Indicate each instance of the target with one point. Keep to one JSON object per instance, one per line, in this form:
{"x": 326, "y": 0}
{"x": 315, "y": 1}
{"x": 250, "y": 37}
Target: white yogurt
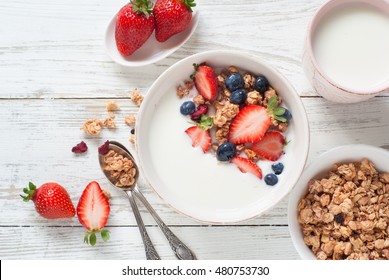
{"x": 351, "y": 46}
{"x": 195, "y": 177}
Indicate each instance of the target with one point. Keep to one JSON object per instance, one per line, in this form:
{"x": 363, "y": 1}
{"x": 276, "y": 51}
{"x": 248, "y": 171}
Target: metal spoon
{"x": 181, "y": 251}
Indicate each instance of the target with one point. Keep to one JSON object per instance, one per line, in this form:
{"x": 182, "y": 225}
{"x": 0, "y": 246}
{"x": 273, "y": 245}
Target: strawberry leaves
{"x": 144, "y": 7}
{"x": 91, "y": 238}
{"x": 30, "y": 192}
{"x": 274, "y": 110}
{"x": 189, "y": 4}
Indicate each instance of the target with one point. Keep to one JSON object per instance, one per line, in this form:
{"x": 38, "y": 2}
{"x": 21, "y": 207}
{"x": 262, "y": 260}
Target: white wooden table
{"x": 55, "y": 74}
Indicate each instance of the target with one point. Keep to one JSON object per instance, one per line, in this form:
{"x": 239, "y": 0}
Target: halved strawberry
{"x": 249, "y": 125}
{"x": 93, "y": 211}
{"x": 270, "y": 146}
{"x": 245, "y": 165}
{"x": 200, "y": 137}
{"x": 205, "y": 80}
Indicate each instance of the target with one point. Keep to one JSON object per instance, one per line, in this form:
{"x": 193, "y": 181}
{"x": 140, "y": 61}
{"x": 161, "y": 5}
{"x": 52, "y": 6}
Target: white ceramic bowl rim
{"x": 326, "y": 8}
{"x": 319, "y": 167}
{"x": 303, "y": 124}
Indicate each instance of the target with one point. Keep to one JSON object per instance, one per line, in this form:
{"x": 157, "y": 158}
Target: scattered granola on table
{"x": 109, "y": 123}
{"x": 345, "y": 215}
{"x": 130, "y": 120}
{"x": 121, "y": 168}
{"x": 92, "y": 127}
{"x": 112, "y": 106}
{"x": 132, "y": 139}
{"x": 136, "y": 97}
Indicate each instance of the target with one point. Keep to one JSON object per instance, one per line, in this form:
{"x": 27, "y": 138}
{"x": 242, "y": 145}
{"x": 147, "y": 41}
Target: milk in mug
{"x": 351, "y": 46}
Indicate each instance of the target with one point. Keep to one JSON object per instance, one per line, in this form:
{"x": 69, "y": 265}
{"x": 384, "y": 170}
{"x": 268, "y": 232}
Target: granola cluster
{"x": 345, "y": 215}
{"x": 120, "y": 168}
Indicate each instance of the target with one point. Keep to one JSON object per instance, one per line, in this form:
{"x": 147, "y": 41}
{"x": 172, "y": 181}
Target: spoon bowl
{"x": 152, "y": 51}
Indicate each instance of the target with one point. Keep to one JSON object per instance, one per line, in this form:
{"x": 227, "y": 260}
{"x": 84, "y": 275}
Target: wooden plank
{"x": 60, "y": 52}
{"x": 125, "y": 244}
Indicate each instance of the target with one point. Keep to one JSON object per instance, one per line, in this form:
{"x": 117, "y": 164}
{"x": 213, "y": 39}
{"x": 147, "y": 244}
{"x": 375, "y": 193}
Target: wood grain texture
{"x": 52, "y": 49}
{"x": 125, "y": 243}
{"x": 55, "y": 74}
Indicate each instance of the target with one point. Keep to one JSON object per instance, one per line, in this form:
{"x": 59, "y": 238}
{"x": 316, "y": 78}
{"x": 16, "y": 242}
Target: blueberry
{"x": 271, "y": 179}
{"x": 339, "y": 218}
{"x": 261, "y": 84}
{"x": 234, "y": 82}
{"x": 287, "y": 115}
{"x": 187, "y": 108}
{"x": 226, "y": 151}
{"x": 277, "y": 167}
{"x": 238, "y": 96}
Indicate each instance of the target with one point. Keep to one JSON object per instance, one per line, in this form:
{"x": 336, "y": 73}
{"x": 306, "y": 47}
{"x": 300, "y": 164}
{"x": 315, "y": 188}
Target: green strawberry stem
{"x": 189, "y": 4}
{"x": 90, "y": 236}
{"x": 274, "y": 110}
{"x": 205, "y": 122}
{"x": 30, "y": 192}
{"x": 142, "y": 7}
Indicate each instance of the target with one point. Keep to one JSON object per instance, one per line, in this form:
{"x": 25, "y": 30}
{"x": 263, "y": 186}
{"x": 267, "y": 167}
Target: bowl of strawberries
{"x": 222, "y": 136}
{"x": 143, "y": 33}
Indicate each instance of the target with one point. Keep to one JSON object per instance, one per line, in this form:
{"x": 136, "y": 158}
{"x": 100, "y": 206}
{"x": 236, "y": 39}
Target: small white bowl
{"x": 152, "y": 51}
{"x": 318, "y": 169}
{"x": 227, "y": 202}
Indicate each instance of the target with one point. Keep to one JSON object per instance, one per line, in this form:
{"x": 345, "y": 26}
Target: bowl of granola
{"x": 339, "y": 208}
{"x": 222, "y": 136}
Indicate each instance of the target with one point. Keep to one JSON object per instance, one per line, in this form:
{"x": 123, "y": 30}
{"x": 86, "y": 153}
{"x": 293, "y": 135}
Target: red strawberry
{"x": 134, "y": 25}
{"x": 51, "y": 200}
{"x": 171, "y": 17}
{"x": 245, "y": 165}
{"x": 200, "y": 137}
{"x": 271, "y": 146}
{"x": 249, "y": 125}
{"x": 93, "y": 211}
{"x": 205, "y": 80}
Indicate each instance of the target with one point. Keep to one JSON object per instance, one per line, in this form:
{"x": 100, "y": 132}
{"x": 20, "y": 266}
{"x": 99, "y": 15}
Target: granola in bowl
{"x": 200, "y": 184}
{"x": 343, "y": 212}
{"x": 237, "y": 114}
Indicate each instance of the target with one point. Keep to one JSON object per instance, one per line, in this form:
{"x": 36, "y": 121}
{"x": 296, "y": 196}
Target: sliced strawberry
{"x": 205, "y": 80}
{"x": 270, "y": 146}
{"x": 249, "y": 125}
{"x": 245, "y": 165}
{"x": 93, "y": 211}
{"x": 200, "y": 137}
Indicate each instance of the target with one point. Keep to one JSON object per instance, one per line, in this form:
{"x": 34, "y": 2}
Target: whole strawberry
{"x": 134, "y": 25}
{"x": 51, "y": 200}
{"x": 172, "y": 17}
{"x": 93, "y": 211}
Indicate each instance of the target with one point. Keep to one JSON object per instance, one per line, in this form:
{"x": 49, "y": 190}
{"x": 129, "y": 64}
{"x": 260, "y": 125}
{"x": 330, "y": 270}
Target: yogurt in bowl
{"x": 194, "y": 183}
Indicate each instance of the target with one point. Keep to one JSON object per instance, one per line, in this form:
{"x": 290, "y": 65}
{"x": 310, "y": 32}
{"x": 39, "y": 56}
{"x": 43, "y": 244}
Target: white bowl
{"x": 205, "y": 202}
{"x": 152, "y": 51}
{"x": 318, "y": 169}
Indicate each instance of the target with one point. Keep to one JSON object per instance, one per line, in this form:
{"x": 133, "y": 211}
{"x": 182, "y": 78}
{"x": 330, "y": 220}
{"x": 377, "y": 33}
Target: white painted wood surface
{"x": 54, "y": 75}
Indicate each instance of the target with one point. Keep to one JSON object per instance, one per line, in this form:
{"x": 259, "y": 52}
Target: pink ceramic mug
{"x": 328, "y": 87}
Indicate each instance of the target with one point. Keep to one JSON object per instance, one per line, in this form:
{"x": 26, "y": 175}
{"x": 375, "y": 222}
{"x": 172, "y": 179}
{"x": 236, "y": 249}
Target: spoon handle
{"x": 151, "y": 253}
{"x": 181, "y": 251}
